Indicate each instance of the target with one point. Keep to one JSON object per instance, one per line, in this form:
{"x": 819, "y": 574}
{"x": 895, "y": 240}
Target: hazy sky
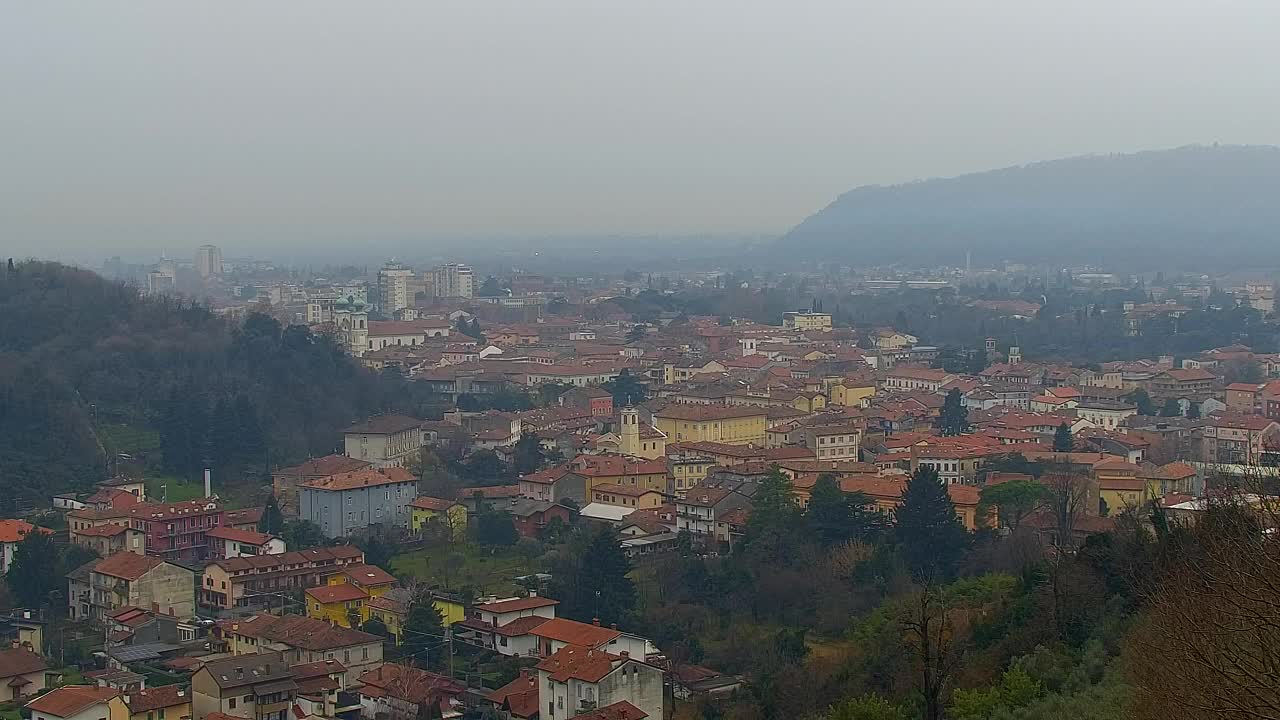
{"x": 279, "y": 126}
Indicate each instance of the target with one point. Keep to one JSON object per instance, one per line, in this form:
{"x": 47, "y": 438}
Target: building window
{"x": 231, "y": 704}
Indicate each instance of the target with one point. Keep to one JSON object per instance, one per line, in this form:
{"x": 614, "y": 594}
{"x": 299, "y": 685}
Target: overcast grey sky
{"x": 278, "y": 126}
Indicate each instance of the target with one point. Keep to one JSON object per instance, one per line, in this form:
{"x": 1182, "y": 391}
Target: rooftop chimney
{"x": 613, "y": 626}
{"x": 595, "y": 621}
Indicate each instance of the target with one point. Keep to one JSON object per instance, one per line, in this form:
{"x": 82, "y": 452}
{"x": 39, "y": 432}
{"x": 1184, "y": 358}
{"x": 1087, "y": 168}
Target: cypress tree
{"x": 1062, "y": 441}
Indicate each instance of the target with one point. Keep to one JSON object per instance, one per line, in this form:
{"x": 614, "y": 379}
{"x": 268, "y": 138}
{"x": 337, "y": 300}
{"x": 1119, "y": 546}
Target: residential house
{"x": 503, "y": 626}
{"x": 166, "y": 702}
{"x": 80, "y": 702}
{"x": 518, "y": 698}
{"x": 620, "y": 470}
{"x": 109, "y": 538}
{"x": 337, "y": 604}
{"x": 530, "y": 517}
{"x": 553, "y": 485}
{"x": 1245, "y": 398}
{"x": 285, "y": 481}
{"x": 228, "y": 542}
{"x": 903, "y": 379}
{"x": 833, "y": 442}
{"x": 1121, "y": 486}
{"x": 102, "y": 586}
{"x": 434, "y": 514}
{"x": 579, "y": 681}
{"x": 1193, "y": 384}
{"x": 384, "y": 440}
{"x": 13, "y": 532}
{"x": 22, "y": 673}
{"x": 598, "y": 402}
{"x": 628, "y": 496}
{"x": 259, "y": 579}
{"x": 344, "y": 504}
{"x": 322, "y": 690}
{"x": 703, "y": 505}
{"x": 1240, "y": 440}
{"x": 392, "y": 609}
{"x": 256, "y": 686}
{"x": 886, "y": 493}
{"x": 740, "y": 425}
{"x": 399, "y": 692}
{"x": 558, "y": 633}
{"x": 1105, "y": 414}
{"x": 301, "y": 640}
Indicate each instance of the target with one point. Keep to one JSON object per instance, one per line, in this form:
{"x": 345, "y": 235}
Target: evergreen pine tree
{"x": 272, "y": 520}
{"x": 423, "y": 634}
{"x": 33, "y": 572}
{"x": 954, "y": 418}
{"x": 929, "y": 534}
{"x": 1062, "y": 441}
{"x": 774, "y": 519}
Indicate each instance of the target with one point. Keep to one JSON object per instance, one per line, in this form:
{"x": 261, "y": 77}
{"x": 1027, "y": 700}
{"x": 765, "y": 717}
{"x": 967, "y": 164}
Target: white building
{"x": 208, "y": 260}
{"x": 393, "y": 287}
{"x": 453, "y": 280}
{"x": 578, "y": 680}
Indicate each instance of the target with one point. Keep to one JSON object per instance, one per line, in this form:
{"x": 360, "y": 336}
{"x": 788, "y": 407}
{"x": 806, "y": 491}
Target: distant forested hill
{"x": 1174, "y": 207}
{"x": 84, "y": 361}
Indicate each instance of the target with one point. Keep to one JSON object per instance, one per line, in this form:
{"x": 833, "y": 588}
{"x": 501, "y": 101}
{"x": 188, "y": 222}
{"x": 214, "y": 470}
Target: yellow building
{"x": 804, "y": 320}
{"x": 77, "y": 702}
{"x": 737, "y": 425}
{"x": 620, "y": 470}
{"x": 345, "y": 604}
{"x": 627, "y": 496}
{"x": 429, "y": 513}
{"x": 688, "y": 470}
{"x": 373, "y": 580}
{"x": 851, "y": 393}
{"x": 393, "y": 610}
{"x": 1120, "y": 486}
{"x": 809, "y": 401}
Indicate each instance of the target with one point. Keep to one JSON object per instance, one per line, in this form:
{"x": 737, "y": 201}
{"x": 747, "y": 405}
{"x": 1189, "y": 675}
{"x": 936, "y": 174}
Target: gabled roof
{"x": 127, "y": 565}
{"x": 153, "y": 698}
{"x": 621, "y": 710}
{"x": 355, "y": 480}
{"x": 573, "y": 632}
{"x": 297, "y": 631}
{"x": 520, "y": 696}
{"x": 423, "y": 502}
{"x": 326, "y": 594}
{"x": 242, "y": 670}
{"x": 20, "y": 661}
{"x": 327, "y": 465}
{"x": 576, "y": 662}
{"x": 71, "y": 699}
{"x": 368, "y": 575}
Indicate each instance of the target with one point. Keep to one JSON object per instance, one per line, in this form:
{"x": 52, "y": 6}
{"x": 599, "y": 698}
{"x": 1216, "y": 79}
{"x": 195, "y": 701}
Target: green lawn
{"x": 128, "y": 439}
{"x": 488, "y": 571}
{"x": 176, "y": 488}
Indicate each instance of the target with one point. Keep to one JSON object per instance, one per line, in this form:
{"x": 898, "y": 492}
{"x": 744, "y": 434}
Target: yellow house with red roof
{"x": 430, "y": 512}
{"x": 347, "y": 594}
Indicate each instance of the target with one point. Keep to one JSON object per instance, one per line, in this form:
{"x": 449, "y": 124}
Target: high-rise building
{"x": 209, "y": 260}
{"x": 453, "y": 280}
{"x": 393, "y": 287}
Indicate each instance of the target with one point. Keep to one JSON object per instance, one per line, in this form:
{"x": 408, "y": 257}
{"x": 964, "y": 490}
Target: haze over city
{"x": 356, "y": 131}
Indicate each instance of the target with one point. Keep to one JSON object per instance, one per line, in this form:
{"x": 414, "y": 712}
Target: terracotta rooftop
{"x": 621, "y": 710}
{"x": 423, "y": 502}
{"x": 327, "y": 465}
{"x": 154, "y": 698}
{"x": 368, "y": 477}
{"x": 20, "y": 661}
{"x": 573, "y": 632}
{"x": 326, "y": 594}
{"x": 127, "y": 565}
{"x": 368, "y": 575}
{"x": 69, "y": 700}
{"x": 576, "y": 662}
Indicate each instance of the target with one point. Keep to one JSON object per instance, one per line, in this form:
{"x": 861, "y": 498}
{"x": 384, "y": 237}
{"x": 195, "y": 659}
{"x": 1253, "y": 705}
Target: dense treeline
{"x": 82, "y": 358}
{"x": 833, "y": 615}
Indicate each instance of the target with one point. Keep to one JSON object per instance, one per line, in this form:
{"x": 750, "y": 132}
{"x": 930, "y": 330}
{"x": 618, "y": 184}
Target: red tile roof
{"x": 369, "y": 477}
{"x": 20, "y": 661}
{"x": 153, "y": 698}
{"x": 621, "y": 710}
{"x": 67, "y": 701}
{"x": 327, "y": 465}
{"x": 127, "y": 565}
{"x": 573, "y": 632}
{"x": 423, "y": 502}
{"x": 520, "y": 696}
{"x": 15, "y": 530}
{"x": 368, "y": 575}
{"x": 576, "y": 662}
{"x": 346, "y": 592}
